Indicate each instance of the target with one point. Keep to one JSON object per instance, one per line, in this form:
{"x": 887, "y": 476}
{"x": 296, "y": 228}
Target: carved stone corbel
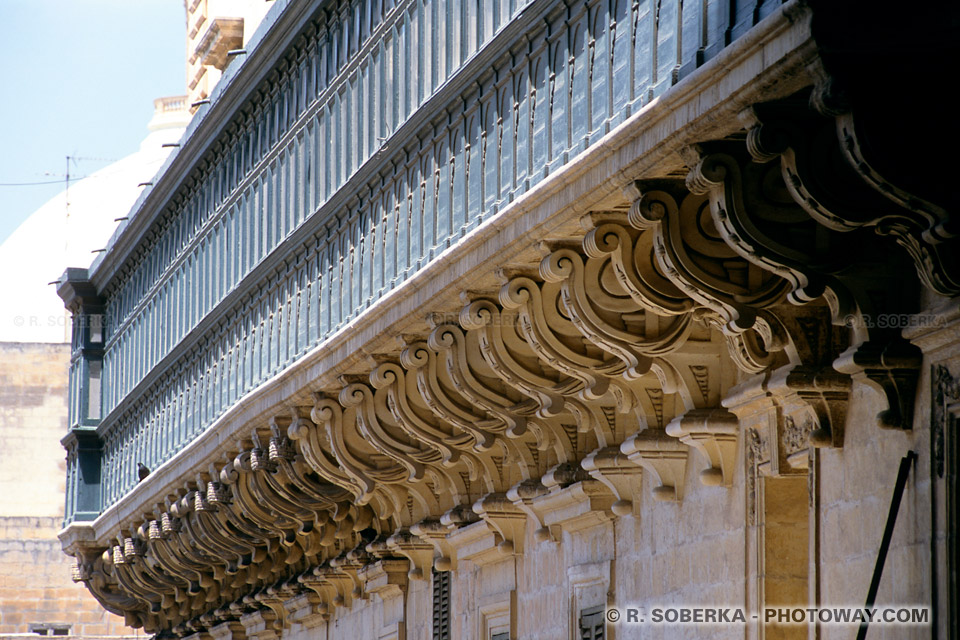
{"x": 350, "y": 563}
{"x": 325, "y": 591}
{"x": 619, "y": 474}
{"x": 880, "y": 153}
{"x": 664, "y": 457}
{"x": 524, "y": 496}
{"x": 274, "y": 598}
{"x": 714, "y": 433}
{"x": 477, "y": 543}
{"x": 689, "y": 249}
{"x": 604, "y": 312}
{"x": 473, "y": 378}
{"x": 891, "y": 367}
{"x": 261, "y": 624}
{"x": 386, "y": 578}
{"x": 576, "y": 507}
{"x": 776, "y": 442}
{"x": 418, "y": 551}
{"x": 94, "y": 569}
{"x": 824, "y": 392}
{"x": 506, "y": 519}
{"x": 228, "y": 630}
{"x": 342, "y": 582}
{"x": 924, "y": 229}
{"x": 305, "y": 609}
{"x": 437, "y": 533}
{"x": 756, "y": 217}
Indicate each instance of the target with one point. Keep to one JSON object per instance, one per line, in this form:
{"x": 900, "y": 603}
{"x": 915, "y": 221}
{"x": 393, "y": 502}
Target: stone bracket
{"x": 333, "y": 586}
{"x": 579, "y": 506}
{"x": 893, "y": 368}
{"x": 714, "y": 433}
{"x": 230, "y": 630}
{"x": 506, "y": 519}
{"x": 825, "y": 391}
{"x": 261, "y": 625}
{"x": 662, "y": 456}
{"x": 435, "y": 532}
{"x": 523, "y": 496}
{"x": 351, "y": 567}
{"x": 614, "y": 469}
{"x": 478, "y": 543}
{"x": 418, "y": 551}
{"x": 307, "y": 609}
{"x": 387, "y": 577}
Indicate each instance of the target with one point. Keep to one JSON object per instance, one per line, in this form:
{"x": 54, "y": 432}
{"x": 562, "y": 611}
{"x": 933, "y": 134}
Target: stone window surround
{"x": 498, "y": 615}
{"x": 589, "y": 587}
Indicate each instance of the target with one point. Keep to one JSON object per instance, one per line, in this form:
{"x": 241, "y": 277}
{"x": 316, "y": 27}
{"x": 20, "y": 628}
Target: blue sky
{"x": 78, "y": 78}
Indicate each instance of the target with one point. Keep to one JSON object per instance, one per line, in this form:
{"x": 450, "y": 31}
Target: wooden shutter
{"x": 441, "y": 605}
{"x": 592, "y": 624}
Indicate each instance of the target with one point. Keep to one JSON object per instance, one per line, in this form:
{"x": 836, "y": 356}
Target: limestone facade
{"x": 36, "y": 586}
{"x": 217, "y": 30}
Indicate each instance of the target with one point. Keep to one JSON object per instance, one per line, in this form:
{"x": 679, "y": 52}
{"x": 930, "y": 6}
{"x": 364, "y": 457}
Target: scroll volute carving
{"x": 676, "y": 232}
{"x": 691, "y": 251}
{"x": 881, "y": 156}
{"x": 854, "y": 223}
{"x": 633, "y": 258}
{"x": 398, "y": 392}
{"x": 95, "y": 569}
{"x": 594, "y": 384}
{"x": 438, "y": 394}
{"x": 507, "y": 354}
{"x": 607, "y": 315}
{"x": 476, "y": 382}
{"x": 755, "y": 214}
{"x": 401, "y": 416}
{"x": 510, "y": 415}
{"x": 337, "y": 452}
{"x": 392, "y": 490}
{"x": 924, "y": 229}
{"x": 493, "y": 461}
{"x": 556, "y": 340}
{"x": 828, "y": 179}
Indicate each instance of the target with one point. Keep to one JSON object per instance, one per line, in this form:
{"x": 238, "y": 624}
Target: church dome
{"x": 70, "y": 227}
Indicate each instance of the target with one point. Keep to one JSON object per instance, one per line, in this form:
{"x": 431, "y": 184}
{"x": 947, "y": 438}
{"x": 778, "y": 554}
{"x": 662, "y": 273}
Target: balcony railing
{"x": 170, "y": 103}
{"x": 384, "y": 135}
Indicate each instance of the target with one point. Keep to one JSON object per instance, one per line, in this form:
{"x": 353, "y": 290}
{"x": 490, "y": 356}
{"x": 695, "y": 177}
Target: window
{"x": 501, "y": 636}
{"x": 592, "y": 624}
{"x": 46, "y": 629}
{"x": 441, "y": 605}
{"x": 590, "y": 583}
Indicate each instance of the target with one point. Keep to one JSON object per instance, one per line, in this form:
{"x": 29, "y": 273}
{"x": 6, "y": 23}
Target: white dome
{"x": 57, "y": 236}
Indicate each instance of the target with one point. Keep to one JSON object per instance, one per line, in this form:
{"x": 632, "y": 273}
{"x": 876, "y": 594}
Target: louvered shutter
{"x": 441, "y": 605}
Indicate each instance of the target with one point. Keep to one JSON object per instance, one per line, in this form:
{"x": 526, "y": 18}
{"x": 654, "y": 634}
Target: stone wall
{"x": 856, "y": 488}
{"x": 35, "y": 575}
{"x": 33, "y": 418}
{"x": 810, "y": 538}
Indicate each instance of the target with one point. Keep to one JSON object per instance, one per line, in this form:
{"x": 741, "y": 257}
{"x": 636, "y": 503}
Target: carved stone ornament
{"x": 548, "y": 399}
{"x": 944, "y": 391}
{"x": 714, "y": 433}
